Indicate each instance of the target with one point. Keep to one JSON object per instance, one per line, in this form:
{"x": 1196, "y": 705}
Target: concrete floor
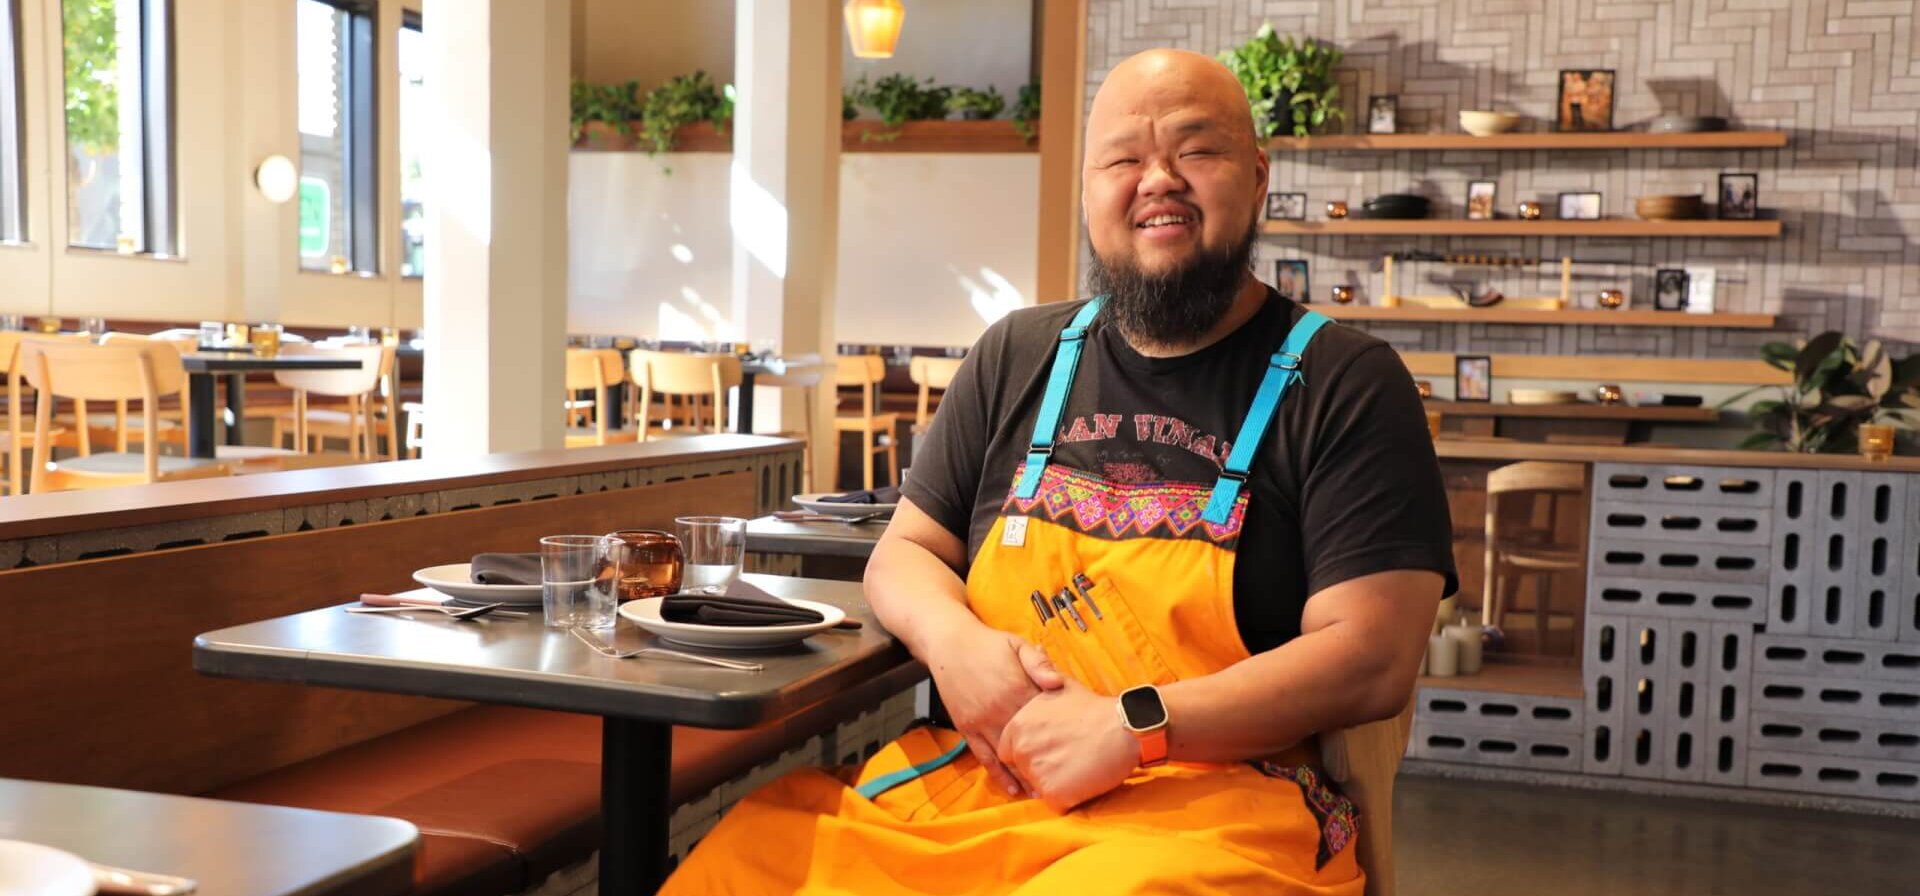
{"x": 1469, "y": 838}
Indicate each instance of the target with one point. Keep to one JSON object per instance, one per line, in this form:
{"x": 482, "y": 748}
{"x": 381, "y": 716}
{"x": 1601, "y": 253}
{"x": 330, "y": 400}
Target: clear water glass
{"x": 715, "y": 547}
{"x": 568, "y": 593}
{"x": 211, "y": 332}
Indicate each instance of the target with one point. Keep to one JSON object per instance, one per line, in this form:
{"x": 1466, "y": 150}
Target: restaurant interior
{"x": 383, "y": 371}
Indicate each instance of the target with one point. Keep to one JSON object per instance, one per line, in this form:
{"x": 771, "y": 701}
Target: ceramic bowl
{"x": 1686, "y": 124}
{"x": 1483, "y": 123}
{"x": 1670, "y": 207}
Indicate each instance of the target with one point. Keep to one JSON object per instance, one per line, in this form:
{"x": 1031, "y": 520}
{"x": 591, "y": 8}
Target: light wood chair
{"x": 597, "y": 370}
{"x": 142, "y": 370}
{"x": 804, "y": 373}
{"x": 416, "y": 436}
{"x": 16, "y": 432}
{"x": 1519, "y": 544}
{"x": 359, "y": 422}
{"x": 930, "y": 374}
{"x": 1364, "y": 760}
{"x": 124, "y": 429}
{"x": 356, "y": 385}
{"x": 866, "y": 372}
{"x": 701, "y": 378}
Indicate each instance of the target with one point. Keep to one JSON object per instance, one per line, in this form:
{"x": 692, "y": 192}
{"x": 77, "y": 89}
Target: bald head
{"x": 1159, "y": 78}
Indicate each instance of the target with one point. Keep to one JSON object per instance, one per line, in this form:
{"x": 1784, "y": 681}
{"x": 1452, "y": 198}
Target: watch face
{"x": 1143, "y": 708}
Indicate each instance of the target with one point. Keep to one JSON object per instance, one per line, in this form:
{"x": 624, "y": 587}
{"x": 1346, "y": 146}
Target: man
{"x": 1152, "y": 544}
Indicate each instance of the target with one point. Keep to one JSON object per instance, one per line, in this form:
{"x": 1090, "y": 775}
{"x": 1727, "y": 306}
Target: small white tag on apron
{"x": 1014, "y": 533}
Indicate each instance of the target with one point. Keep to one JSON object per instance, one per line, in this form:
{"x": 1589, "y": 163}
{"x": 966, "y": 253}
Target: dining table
{"x": 227, "y": 848}
{"x": 204, "y": 365}
{"x": 523, "y": 662}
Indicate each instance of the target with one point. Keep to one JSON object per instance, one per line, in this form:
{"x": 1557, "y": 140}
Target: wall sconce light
{"x": 277, "y": 178}
{"x": 874, "y": 27}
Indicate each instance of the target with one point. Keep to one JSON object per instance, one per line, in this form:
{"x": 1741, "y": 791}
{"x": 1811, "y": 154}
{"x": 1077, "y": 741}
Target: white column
{"x": 785, "y": 189}
{"x": 496, "y": 169}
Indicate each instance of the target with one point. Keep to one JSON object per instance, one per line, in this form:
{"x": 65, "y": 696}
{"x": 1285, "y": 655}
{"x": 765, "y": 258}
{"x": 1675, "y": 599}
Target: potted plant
{"x": 683, "y": 100}
{"x": 1290, "y": 84}
{"x": 603, "y": 114}
{"x": 899, "y": 99}
{"x": 1839, "y": 390}
{"x": 1026, "y": 109}
{"x": 975, "y": 105}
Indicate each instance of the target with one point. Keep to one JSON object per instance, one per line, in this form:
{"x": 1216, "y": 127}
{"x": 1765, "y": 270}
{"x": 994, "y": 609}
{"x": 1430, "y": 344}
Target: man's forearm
{"x": 915, "y": 594}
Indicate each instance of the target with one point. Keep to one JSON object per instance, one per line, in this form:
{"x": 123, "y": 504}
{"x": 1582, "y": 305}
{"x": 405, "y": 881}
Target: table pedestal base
{"x": 636, "y": 764}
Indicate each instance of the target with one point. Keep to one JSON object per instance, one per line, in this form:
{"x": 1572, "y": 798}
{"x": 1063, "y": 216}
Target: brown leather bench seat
{"x": 505, "y": 796}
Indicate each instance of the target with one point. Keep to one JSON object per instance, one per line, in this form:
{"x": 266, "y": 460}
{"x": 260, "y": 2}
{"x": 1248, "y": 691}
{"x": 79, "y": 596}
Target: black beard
{"x": 1179, "y": 306}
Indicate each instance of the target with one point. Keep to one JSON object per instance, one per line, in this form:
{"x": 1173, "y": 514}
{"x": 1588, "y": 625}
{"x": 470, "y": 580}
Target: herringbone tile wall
{"x": 1842, "y": 77}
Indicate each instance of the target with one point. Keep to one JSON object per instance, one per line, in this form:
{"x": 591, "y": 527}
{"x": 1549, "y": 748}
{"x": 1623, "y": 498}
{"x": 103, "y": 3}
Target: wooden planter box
{"x": 934, "y": 136}
{"x": 599, "y": 136}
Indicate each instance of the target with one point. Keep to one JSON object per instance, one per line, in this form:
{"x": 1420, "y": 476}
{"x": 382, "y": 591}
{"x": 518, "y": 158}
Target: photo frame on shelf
{"x": 1480, "y": 199}
{"x": 1700, "y": 287}
{"x": 1739, "y": 196}
{"x": 1286, "y": 206}
{"x": 1290, "y": 279}
{"x": 1579, "y": 206}
{"x": 1586, "y": 100}
{"x": 1472, "y": 378}
{"x": 1669, "y": 289}
{"x": 1383, "y": 113}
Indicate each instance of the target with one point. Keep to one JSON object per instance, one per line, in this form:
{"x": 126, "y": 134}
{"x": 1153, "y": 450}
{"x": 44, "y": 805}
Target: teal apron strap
{"x": 1282, "y": 370}
{"x": 891, "y": 780}
{"x": 1054, "y": 403}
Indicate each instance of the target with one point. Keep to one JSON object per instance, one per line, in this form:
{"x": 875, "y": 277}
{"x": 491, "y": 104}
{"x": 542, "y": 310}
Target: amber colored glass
{"x": 1876, "y": 441}
{"x": 649, "y": 563}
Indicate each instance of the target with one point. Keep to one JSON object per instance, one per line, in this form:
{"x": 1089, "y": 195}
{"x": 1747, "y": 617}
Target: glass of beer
{"x": 642, "y": 563}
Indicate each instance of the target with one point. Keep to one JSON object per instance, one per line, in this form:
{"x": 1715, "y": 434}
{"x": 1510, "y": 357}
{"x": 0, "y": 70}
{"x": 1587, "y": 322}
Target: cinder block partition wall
{"x": 1834, "y": 75}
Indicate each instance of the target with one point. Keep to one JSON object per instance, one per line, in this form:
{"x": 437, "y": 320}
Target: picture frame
{"x": 1579, "y": 206}
{"x": 1290, "y": 279}
{"x": 1670, "y": 289}
{"x": 1472, "y": 378}
{"x": 1739, "y": 196}
{"x": 1383, "y": 113}
{"x": 1585, "y": 101}
{"x": 1700, "y": 288}
{"x": 1480, "y": 199}
{"x": 1286, "y": 206}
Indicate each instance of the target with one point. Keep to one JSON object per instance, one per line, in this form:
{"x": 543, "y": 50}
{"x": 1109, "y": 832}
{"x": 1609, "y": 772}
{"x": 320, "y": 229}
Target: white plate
{"x": 456, "y": 580}
{"x": 29, "y": 869}
{"x": 834, "y": 508}
{"x": 646, "y": 614}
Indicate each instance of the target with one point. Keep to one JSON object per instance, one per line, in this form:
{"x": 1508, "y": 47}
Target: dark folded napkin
{"x": 742, "y": 604}
{"x": 884, "y": 495}
{"x": 505, "y": 569}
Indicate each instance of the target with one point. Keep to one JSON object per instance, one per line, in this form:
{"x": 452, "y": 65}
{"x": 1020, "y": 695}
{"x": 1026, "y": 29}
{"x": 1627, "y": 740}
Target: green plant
{"x": 1290, "y": 85}
{"x": 1026, "y": 109}
{"x": 91, "y": 56}
{"x": 681, "y": 101}
{"x": 849, "y": 106}
{"x": 899, "y": 99}
{"x": 612, "y": 104}
{"x": 975, "y": 104}
{"x": 1837, "y": 385}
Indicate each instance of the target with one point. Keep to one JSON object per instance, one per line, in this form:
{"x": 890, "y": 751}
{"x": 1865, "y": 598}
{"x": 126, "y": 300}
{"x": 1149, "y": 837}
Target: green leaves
{"x": 975, "y": 103}
{"x": 899, "y": 99}
{"x": 681, "y": 101}
{"x": 90, "y": 54}
{"x": 1026, "y": 109}
{"x": 1837, "y": 386}
{"x": 1288, "y": 83}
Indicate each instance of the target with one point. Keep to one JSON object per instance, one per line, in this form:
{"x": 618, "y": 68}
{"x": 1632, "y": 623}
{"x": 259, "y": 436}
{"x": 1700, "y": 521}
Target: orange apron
{"x": 1135, "y": 586}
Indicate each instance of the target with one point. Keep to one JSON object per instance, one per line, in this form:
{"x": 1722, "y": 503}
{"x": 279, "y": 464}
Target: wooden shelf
{"x": 1615, "y": 227}
{"x": 1540, "y": 140}
{"x": 1514, "y": 678}
{"x": 703, "y": 136}
{"x": 1579, "y": 411}
{"x": 1609, "y": 369}
{"x": 997, "y": 136}
{"x": 1534, "y": 317}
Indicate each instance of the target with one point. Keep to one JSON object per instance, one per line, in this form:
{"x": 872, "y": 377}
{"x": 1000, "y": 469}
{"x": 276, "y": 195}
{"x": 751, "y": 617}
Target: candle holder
{"x": 1342, "y": 294}
{"x": 1529, "y": 211}
{"x": 1608, "y": 393}
{"x": 1612, "y": 298}
{"x": 1424, "y": 387}
{"x": 1336, "y": 209}
{"x": 1876, "y": 441}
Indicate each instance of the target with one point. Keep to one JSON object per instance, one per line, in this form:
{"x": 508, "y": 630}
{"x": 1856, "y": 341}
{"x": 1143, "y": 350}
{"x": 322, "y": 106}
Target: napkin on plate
{"x": 888, "y": 494}
{"x": 742, "y": 604}
{"x": 505, "y": 569}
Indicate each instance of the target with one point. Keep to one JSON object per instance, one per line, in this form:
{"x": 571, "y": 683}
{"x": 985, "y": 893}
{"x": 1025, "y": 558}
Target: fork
{"x": 451, "y": 613}
{"x": 611, "y": 653}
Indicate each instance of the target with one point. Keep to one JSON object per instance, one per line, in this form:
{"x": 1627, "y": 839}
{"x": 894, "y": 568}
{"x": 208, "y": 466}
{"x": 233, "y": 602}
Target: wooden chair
{"x": 805, "y": 373}
{"x": 359, "y": 421}
{"x": 930, "y": 374}
{"x": 124, "y": 429}
{"x": 1518, "y": 546}
{"x": 416, "y": 426}
{"x": 356, "y": 385}
{"x": 701, "y": 378}
{"x": 597, "y": 370}
{"x": 16, "y": 435}
{"x": 866, "y": 372}
{"x": 1364, "y": 760}
{"x": 145, "y": 371}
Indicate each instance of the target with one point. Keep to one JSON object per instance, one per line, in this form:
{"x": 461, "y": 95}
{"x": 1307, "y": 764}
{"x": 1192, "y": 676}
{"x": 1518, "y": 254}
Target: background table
{"x": 524, "y": 663}
{"x": 819, "y": 550}
{"x": 202, "y": 367}
{"x": 232, "y": 849}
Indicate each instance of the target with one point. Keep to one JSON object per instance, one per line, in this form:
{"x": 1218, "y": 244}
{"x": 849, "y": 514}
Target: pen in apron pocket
{"x": 1040, "y": 607}
{"x": 1085, "y": 586}
{"x": 1063, "y": 602}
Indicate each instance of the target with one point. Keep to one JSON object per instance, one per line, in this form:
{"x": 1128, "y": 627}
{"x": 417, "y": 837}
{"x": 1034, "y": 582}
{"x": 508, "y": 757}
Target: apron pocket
{"x": 1123, "y": 641}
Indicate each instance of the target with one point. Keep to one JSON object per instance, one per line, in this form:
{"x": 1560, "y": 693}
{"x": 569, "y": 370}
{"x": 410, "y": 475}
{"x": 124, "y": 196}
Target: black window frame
{"x": 360, "y": 121}
{"x": 13, "y": 147}
{"x": 159, "y": 195}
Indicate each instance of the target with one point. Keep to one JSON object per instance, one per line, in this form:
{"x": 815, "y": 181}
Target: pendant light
{"x": 874, "y": 27}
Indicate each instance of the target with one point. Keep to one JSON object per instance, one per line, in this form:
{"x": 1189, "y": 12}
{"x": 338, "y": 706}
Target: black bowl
{"x": 1397, "y": 206}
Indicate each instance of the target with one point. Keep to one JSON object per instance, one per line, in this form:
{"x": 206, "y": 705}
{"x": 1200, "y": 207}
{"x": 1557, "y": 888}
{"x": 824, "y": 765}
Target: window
{"x": 119, "y": 122}
{"x": 13, "y": 202}
{"x": 413, "y": 134}
{"x": 339, "y": 189}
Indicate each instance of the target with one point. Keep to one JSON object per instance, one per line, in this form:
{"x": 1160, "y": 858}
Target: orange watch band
{"x": 1153, "y": 747}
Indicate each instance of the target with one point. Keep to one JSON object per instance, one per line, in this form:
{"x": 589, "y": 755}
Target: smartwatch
{"x": 1145, "y": 717}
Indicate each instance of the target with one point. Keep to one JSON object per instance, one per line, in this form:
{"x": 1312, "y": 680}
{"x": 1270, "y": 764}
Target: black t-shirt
{"x": 1345, "y": 482}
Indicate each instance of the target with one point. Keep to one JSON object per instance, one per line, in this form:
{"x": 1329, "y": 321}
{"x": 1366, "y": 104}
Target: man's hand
{"x": 1067, "y": 743}
{"x": 983, "y": 681}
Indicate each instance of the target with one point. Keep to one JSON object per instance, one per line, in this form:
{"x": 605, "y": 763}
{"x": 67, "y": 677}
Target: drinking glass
{"x": 211, "y": 332}
{"x": 93, "y": 326}
{"x": 12, "y": 322}
{"x": 265, "y": 339}
{"x": 715, "y": 547}
{"x": 361, "y": 335}
{"x": 643, "y": 563}
{"x": 567, "y": 594}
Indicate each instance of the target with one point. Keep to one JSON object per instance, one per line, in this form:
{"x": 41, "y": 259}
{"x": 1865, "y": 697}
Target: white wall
{"x": 932, "y": 247}
{"x": 972, "y": 43}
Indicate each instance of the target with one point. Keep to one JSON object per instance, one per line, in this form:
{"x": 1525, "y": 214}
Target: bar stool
{"x": 696, "y": 377}
{"x": 1518, "y": 547}
{"x": 805, "y": 373}
{"x": 136, "y": 370}
{"x": 866, "y": 372}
